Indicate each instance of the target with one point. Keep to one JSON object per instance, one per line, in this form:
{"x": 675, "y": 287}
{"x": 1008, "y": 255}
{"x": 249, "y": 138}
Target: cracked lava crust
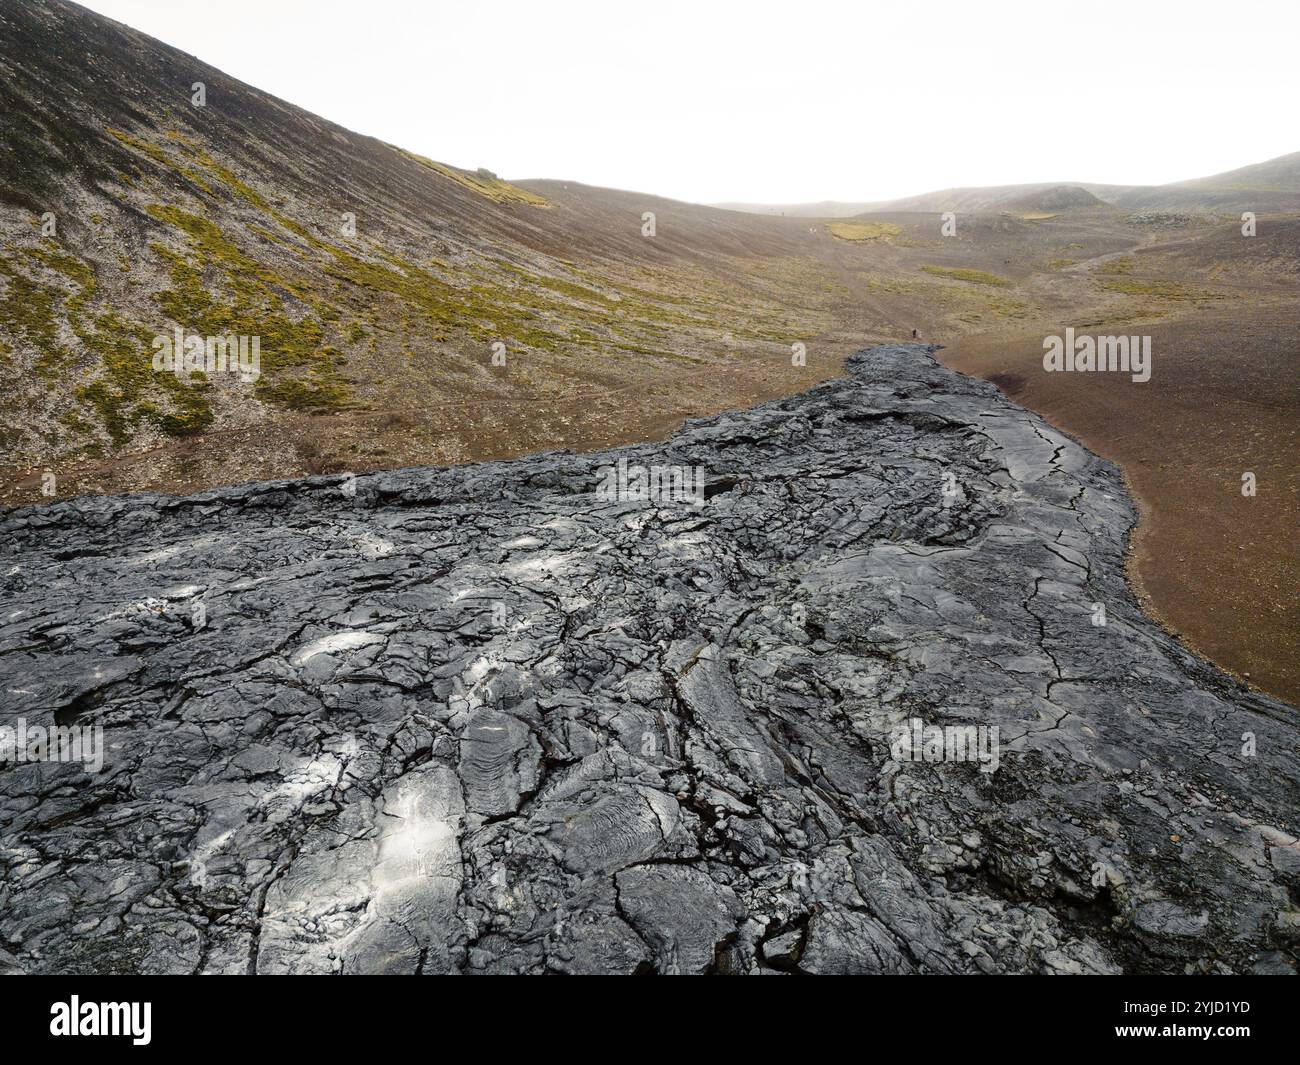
{"x": 477, "y": 720}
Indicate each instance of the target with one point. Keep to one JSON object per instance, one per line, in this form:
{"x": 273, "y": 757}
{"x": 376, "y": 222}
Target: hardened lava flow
{"x": 486, "y": 719}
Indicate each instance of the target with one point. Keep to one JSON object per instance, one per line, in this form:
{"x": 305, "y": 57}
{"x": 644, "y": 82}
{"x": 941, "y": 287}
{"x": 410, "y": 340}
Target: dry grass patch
{"x": 974, "y": 277}
{"x": 861, "y": 232}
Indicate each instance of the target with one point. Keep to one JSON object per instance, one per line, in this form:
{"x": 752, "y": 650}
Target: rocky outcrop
{"x": 506, "y": 718}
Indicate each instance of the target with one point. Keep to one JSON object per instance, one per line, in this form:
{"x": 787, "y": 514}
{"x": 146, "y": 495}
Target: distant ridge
{"x": 1270, "y": 185}
{"x": 1056, "y": 198}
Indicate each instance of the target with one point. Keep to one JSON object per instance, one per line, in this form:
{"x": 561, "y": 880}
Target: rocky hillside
{"x": 380, "y": 284}
{"x": 500, "y": 718}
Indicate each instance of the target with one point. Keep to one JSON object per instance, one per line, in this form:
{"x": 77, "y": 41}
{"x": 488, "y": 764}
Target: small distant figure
{"x": 914, "y": 336}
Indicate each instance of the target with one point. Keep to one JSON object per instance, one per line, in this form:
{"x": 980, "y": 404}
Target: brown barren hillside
{"x": 1219, "y": 566}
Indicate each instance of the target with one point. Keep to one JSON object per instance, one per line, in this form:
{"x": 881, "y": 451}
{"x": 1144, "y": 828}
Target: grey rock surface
{"x": 484, "y": 720}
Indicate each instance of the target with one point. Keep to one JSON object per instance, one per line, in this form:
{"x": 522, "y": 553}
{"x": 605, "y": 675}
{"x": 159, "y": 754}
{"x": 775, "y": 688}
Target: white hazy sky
{"x": 775, "y": 102}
